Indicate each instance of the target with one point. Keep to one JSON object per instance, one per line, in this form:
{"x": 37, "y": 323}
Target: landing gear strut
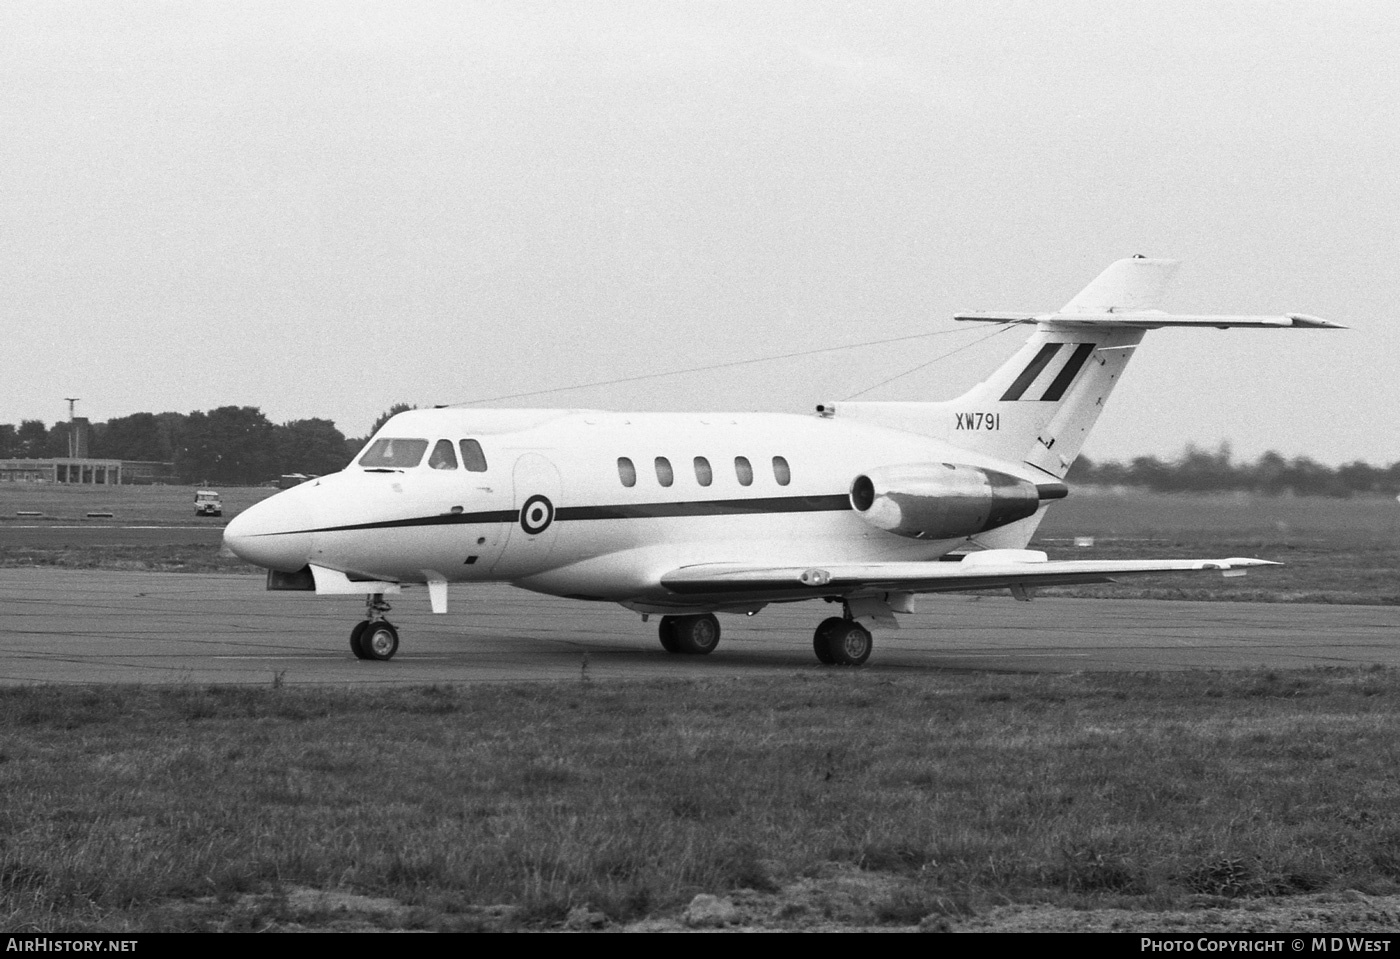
{"x": 691, "y": 635}
{"x": 842, "y": 642}
{"x": 376, "y": 637}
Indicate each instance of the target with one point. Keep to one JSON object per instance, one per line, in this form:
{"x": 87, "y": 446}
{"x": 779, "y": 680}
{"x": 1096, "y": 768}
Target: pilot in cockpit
{"x": 443, "y": 458}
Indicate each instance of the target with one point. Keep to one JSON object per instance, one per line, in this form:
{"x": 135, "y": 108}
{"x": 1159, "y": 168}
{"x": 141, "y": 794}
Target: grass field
{"x": 1259, "y": 522}
{"x": 831, "y": 800}
{"x": 1334, "y": 550}
{"x": 129, "y": 504}
{"x": 869, "y": 802}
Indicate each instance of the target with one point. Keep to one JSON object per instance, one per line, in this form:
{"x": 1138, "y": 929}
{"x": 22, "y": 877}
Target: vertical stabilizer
{"x": 1036, "y": 410}
{"x": 1130, "y": 285}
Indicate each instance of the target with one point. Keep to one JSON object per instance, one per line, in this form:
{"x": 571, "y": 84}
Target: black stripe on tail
{"x": 1028, "y": 375}
{"x": 1081, "y": 354}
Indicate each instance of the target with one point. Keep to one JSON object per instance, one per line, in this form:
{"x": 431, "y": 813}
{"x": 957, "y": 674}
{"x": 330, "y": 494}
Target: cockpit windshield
{"x": 392, "y": 452}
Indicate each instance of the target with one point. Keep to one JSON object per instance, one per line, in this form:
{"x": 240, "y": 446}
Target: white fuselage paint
{"x": 605, "y": 540}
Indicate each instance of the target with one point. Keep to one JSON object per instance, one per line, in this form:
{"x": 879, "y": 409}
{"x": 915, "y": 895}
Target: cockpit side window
{"x": 473, "y": 459}
{"x": 393, "y": 452}
{"x": 443, "y": 458}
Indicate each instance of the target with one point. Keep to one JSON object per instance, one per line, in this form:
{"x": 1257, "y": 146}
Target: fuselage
{"x": 590, "y": 504}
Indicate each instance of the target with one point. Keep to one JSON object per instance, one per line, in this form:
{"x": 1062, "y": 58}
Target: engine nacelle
{"x": 944, "y": 500}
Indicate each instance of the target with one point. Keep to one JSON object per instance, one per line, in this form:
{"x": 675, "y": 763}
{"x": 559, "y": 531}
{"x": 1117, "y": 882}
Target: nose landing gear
{"x": 376, "y": 637}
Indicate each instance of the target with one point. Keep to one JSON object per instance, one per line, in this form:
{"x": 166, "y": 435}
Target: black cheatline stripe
{"x": 723, "y": 507}
{"x": 442, "y": 519}
{"x": 1082, "y": 352}
{"x": 1029, "y": 374}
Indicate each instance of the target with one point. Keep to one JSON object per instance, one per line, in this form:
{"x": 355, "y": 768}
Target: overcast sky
{"x": 321, "y": 209}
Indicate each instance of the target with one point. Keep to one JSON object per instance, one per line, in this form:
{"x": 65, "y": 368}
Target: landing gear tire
{"x": 821, "y": 640}
{"x": 667, "y": 632}
{"x": 850, "y": 645}
{"x": 355, "y": 635}
{"x": 379, "y": 641}
{"x": 695, "y": 635}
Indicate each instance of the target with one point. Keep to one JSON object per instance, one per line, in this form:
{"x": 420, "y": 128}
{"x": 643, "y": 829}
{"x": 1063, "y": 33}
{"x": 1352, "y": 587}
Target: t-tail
{"x": 1037, "y": 409}
{"x": 1035, "y": 412}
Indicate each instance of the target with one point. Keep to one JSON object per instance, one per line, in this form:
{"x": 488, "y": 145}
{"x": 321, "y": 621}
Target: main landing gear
{"x": 838, "y": 641}
{"x": 376, "y": 637}
{"x": 842, "y": 642}
{"x": 689, "y": 635}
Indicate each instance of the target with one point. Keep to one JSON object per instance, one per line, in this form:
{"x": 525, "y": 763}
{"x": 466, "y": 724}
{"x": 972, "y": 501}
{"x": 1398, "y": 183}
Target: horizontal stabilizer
{"x": 1151, "y": 320}
{"x": 983, "y": 570}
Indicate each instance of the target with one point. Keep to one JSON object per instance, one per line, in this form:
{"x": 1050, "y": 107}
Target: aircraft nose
{"x": 275, "y": 533}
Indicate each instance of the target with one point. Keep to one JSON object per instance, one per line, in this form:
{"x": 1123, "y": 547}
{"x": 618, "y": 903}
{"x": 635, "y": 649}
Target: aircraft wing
{"x": 984, "y": 570}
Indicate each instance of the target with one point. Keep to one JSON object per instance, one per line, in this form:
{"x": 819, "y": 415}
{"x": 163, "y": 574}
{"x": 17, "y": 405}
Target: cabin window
{"x": 781, "y": 473}
{"x": 443, "y": 458}
{"x": 473, "y": 459}
{"x": 744, "y": 470}
{"x": 626, "y": 471}
{"x": 392, "y": 452}
{"x": 664, "y": 475}
{"x": 703, "y": 474}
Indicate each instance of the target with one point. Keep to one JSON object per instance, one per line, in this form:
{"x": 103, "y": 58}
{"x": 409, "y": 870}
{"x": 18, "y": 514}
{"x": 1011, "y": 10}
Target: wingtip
{"x": 1316, "y": 322}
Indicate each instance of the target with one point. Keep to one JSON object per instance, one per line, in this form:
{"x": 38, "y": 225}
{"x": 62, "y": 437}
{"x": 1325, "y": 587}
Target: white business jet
{"x": 691, "y": 514}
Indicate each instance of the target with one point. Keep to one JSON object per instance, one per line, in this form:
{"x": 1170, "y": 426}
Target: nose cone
{"x": 275, "y": 533}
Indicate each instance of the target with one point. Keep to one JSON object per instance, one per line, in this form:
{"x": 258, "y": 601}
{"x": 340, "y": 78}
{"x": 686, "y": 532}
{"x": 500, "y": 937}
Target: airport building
{"x": 78, "y": 468}
{"x": 84, "y": 471}
{"x": 87, "y": 472}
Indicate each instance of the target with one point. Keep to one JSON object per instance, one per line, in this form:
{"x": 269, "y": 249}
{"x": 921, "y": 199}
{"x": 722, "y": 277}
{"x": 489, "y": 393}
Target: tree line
{"x": 239, "y": 445}
{"x": 1201, "y": 471}
{"x": 232, "y": 445}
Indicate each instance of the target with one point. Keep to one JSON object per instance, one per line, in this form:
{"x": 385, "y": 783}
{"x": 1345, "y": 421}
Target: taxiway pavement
{"x": 98, "y": 626}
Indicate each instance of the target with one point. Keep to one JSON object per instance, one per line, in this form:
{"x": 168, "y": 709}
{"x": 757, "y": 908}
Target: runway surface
{"x": 76, "y": 626}
{"x": 79, "y": 534}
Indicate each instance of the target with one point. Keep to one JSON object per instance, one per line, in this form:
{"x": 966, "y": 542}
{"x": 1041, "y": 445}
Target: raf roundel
{"x": 536, "y": 515}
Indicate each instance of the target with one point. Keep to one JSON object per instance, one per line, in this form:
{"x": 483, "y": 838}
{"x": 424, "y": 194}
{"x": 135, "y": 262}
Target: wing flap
{"x": 984, "y": 570}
